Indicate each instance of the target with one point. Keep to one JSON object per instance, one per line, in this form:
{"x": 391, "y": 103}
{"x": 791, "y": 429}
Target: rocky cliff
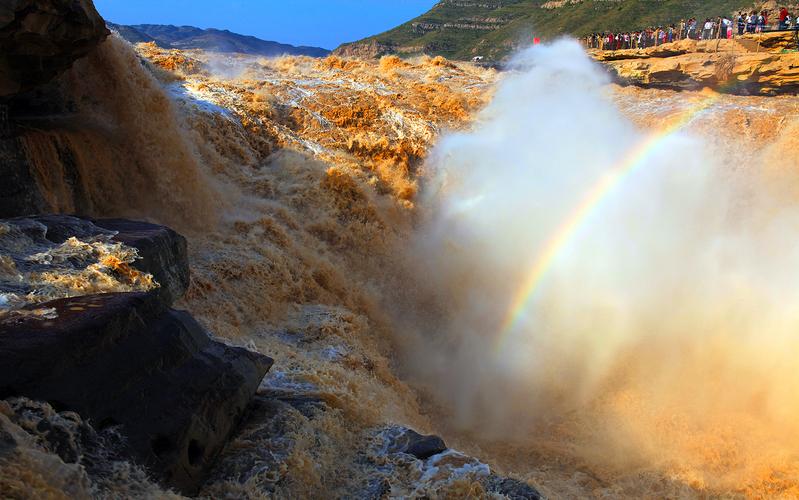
{"x": 41, "y": 38}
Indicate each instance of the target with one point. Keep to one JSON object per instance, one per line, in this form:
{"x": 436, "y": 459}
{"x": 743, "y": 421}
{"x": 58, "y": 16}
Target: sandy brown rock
{"x": 748, "y": 73}
{"x": 755, "y": 64}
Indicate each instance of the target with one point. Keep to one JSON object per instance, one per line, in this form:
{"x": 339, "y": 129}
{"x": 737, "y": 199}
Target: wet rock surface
{"x": 36, "y": 441}
{"x": 268, "y": 439}
{"x": 422, "y": 447}
{"x": 392, "y": 462}
{"x": 18, "y": 191}
{"x": 162, "y": 253}
{"x": 398, "y": 447}
{"x": 41, "y": 38}
{"x": 129, "y": 361}
{"x": 513, "y": 489}
{"x": 48, "y": 257}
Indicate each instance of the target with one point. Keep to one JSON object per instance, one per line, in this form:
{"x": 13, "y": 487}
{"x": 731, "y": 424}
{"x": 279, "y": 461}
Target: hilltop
{"x": 462, "y": 29}
{"x": 189, "y": 37}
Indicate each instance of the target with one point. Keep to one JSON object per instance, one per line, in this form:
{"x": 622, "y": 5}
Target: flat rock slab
{"x": 127, "y": 360}
{"x": 162, "y": 251}
{"x": 110, "y": 255}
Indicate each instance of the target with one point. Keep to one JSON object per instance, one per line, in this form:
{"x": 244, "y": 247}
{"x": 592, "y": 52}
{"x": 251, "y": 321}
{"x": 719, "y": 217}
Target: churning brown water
{"x": 654, "y": 358}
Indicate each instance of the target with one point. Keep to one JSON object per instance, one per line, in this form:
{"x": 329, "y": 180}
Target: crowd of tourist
{"x": 719, "y": 28}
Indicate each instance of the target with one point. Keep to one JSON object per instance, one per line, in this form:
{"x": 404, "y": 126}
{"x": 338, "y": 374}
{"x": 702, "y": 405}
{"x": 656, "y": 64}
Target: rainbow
{"x": 592, "y": 201}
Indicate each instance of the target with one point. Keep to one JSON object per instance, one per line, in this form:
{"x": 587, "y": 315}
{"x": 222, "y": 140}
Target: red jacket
{"x": 783, "y": 14}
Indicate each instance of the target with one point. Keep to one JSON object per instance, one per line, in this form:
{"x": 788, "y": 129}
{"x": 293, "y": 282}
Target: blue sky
{"x": 320, "y": 23}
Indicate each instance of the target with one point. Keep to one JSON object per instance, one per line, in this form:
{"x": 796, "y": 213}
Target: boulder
{"x": 163, "y": 253}
{"x": 39, "y": 39}
{"x": 127, "y": 360}
{"x": 510, "y": 488}
{"x": 413, "y": 443}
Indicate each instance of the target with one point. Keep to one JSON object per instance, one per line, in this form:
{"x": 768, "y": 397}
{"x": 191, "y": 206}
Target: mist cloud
{"x": 666, "y": 325}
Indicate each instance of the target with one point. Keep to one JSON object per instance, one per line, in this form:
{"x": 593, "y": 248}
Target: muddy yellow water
{"x": 297, "y": 183}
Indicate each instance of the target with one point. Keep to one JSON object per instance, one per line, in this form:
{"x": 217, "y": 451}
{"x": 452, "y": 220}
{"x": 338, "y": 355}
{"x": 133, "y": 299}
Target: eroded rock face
{"x": 127, "y": 360}
{"x": 747, "y": 73}
{"x": 41, "y": 38}
{"x": 755, "y": 64}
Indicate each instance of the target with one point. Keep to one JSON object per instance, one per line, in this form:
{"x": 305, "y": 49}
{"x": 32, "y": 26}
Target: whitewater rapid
{"x": 406, "y": 240}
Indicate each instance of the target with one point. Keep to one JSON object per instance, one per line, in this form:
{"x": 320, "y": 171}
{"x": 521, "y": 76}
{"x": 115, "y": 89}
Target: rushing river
{"x": 589, "y": 287}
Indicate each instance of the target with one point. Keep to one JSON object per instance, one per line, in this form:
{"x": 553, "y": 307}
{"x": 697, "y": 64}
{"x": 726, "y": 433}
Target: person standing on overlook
{"x": 783, "y": 16}
{"x": 692, "y": 28}
{"x": 741, "y": 23}
{"x": 707, "y": 29}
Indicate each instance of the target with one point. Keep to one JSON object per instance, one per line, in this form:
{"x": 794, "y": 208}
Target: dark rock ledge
{"x": 41, "y": 38}
{"x": 129, "y": 361}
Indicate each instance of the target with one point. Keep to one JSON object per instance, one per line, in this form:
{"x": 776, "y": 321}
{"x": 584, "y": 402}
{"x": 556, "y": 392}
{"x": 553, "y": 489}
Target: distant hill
{"x": 462, "y": 29}
{"x": 189, "y": 37}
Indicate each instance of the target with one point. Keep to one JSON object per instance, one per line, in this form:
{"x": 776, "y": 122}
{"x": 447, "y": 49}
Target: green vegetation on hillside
{"x": 462, "y": 29}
